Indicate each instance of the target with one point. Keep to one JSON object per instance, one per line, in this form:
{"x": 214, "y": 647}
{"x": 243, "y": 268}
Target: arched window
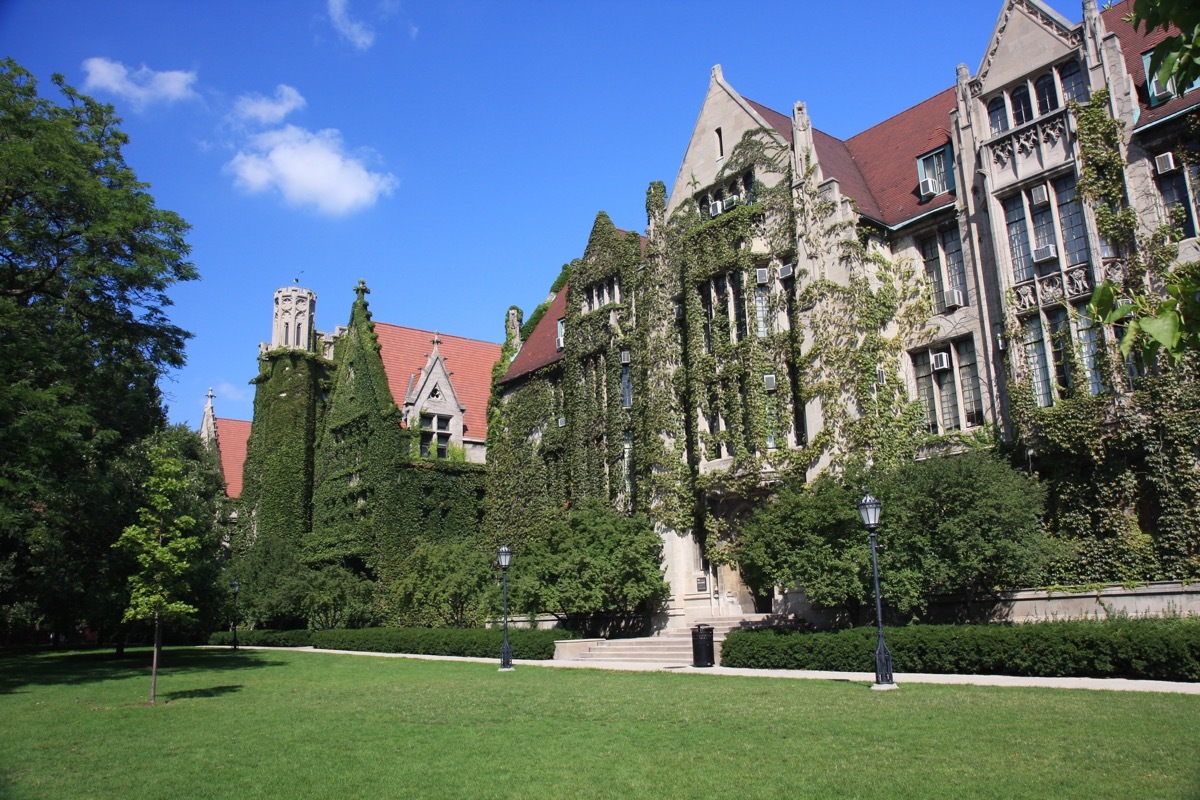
{"x": 1073, "y": 85}
{"x": 1022, "y": 110}
{"x": 1047, "y": 95}
{"x": 998, "y": 115}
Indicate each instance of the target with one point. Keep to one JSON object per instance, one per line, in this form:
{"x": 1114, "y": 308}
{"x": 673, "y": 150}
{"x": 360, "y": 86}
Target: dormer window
{"x": 934, "y": 172}
{"x": 558, "y": 342}
{"x": 1158, "y": 91}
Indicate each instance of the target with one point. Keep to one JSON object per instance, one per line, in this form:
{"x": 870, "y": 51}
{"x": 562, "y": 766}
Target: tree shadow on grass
{"x": 48, "y": 668}
{"x": 195, "y": 694}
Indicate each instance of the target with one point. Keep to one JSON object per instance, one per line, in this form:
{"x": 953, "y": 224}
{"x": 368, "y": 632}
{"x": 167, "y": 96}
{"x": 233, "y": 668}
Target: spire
{"x": 361, "y": 290}
{"x": 210, "y": 395}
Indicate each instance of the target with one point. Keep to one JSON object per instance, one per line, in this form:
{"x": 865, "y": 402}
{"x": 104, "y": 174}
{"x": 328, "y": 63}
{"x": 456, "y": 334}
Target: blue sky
{"x": 453, "y": 154}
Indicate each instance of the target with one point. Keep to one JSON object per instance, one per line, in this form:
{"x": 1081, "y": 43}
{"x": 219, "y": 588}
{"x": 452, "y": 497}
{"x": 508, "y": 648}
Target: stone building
{"x": 744, "y": 335}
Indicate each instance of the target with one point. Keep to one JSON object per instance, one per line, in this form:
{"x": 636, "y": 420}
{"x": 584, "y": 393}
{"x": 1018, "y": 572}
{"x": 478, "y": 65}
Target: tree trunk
{"x": 154, "y": 658}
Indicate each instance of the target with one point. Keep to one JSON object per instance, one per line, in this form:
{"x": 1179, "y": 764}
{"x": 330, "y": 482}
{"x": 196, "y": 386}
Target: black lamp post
{"x": 505, "y": 558}
{"x": 236, "y": 587}
{"x": 869, "y": 508}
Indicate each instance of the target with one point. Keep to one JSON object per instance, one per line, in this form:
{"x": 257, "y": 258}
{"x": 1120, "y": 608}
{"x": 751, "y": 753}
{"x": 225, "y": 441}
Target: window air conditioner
{"x": 1039, "y": 196}
{"x": 624, "y": 356}
{"x": 769, "y": 381}
{"x": 929, "y": 187}
{"x": 1164, "y": 163}
{"x": 941, "y": 362}
{"x": 786, "y": 271}
{"x": 562, "y": 422}
{"x": 762, "y": 274}
{"x": 955, "y": 298}
{"x": 714, "y": 209}
{"x": 1046, "y": 253}
{"x": 558, "y": 342}
{"x": 731, "y": 201}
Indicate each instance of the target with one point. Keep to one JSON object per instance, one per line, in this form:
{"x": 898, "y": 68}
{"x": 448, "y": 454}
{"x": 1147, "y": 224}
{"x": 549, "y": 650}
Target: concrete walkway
{"x": 868, "y": 678}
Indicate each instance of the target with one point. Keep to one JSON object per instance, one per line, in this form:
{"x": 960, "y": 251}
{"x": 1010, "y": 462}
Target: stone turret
{"x": 293, "y": 324}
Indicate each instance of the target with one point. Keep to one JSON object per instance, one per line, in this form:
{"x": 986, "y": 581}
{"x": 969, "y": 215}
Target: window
{"x": 1072, "y": 334}
{"x": 626, "y": 381}
{"x": 997, "y": 115}
{"x": 949, "y": 288}
{"x": 1021, "y": 108}
{"x": 1159, "y": 92}
{"x": 720, "y": 144}
{"x": 770, "y": 413}
{"x": 561, "y": 331}
{"x": 601, "y": 294}
{"x": 435, "y": 436}
{"x": 761, "y": 294}
{"x": 934, "y": 172}
{"x": 627, "y": 462}
{"x": 1177, "y": 187}
{"x": 1047, "y": 94}
{"x": 948, "y": 386}
{"x": 1073, "y": 86}
{"x": 1059, "y": 233}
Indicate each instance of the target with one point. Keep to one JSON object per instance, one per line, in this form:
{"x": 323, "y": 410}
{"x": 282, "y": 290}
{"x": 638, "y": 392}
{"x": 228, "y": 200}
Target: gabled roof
{"x": 540, "y": 349}
{"x": 405, "y": 352}
{"x": 781, "y": 123}
{"x": 232, "y": 436}
{"x": 1134, "y": 42}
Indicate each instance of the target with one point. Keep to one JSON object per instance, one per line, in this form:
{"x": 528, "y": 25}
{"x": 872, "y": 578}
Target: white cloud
{"x": 141, "y": 87}
{"x": 351, "y": 30}
{"x": 267, "y": 110}
{"x": 310, "y": 170}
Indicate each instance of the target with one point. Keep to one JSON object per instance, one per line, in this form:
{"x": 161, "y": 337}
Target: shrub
{"x": 466, "y": 642}
{"x": 1149, "y": 649}
{"x": 264, "y": 638}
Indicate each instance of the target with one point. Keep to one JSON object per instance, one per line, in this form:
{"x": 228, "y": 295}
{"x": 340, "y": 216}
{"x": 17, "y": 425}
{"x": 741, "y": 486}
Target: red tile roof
{"x": 469, "y": 361}
{"x": 540, "y": 349}
{"x": 878, "y": 167}
{"x": 886, "y": 154}
{"x": 232, "y": 436}
{"x": 1135, "y": 42}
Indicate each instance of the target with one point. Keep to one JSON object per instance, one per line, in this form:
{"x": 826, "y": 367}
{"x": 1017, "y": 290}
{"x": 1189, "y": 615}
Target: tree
{"x": 163, "y": 542}
{"x": 967, "y": 525}
{"x": 85, "y": 264}
{"x": 591, "y": 568}
{"x": 1178, "y": 56}
{"x": 446, "y": 585}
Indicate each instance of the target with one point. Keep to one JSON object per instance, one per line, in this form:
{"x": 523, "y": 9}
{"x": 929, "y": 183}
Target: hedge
{"x": 264, "y": 638}
{"x": 1143, "y": 648}
{"x": 473, "y": 642}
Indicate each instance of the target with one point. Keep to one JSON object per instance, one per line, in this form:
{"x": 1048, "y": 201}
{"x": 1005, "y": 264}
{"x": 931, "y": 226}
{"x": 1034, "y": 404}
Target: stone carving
{"x": 1052, "y": 130}
{"x": 1025, "y": 297}
{"x": 1002, "y": 152}
{"x": 1077, "y": 281}
{"x": 1027, "y": 141}
{"x": 1114, "y": 270}
{"x": 1052, "y": 288}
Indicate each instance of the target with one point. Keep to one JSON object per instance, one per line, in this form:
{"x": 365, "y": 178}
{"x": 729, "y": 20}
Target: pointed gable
{"x": 468, "y": 363}
{"x": 1027, "y": 33}
{"x": 724, "y": 118}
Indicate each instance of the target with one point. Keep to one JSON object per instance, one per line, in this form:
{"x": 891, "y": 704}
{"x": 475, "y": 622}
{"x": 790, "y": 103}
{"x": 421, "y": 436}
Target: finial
{"x": 361, "y": 289}
{"x": 436, "y": 340}
{"x": 210, "y": 395}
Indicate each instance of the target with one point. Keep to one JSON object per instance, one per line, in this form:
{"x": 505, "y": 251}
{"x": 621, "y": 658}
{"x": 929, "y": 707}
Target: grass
{"x": 279, "y": 724}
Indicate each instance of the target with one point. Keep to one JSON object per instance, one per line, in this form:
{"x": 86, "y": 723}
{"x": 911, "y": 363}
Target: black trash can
{"x": 702, "y": 646}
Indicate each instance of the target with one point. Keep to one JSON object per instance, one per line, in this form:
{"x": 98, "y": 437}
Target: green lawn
{"x": 298, "y": 725}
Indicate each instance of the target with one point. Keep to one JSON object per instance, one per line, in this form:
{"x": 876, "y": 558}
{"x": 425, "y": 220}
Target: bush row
{"x": 1149, "y": 649}
{"x": 475, "y": 642}
{"x": 264, "y": 638}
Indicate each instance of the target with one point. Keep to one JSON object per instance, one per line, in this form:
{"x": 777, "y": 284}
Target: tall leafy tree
{"x": 86, "y": 259}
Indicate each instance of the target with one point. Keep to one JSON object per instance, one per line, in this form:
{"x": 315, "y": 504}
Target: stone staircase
{"x": 671, "y": 647}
